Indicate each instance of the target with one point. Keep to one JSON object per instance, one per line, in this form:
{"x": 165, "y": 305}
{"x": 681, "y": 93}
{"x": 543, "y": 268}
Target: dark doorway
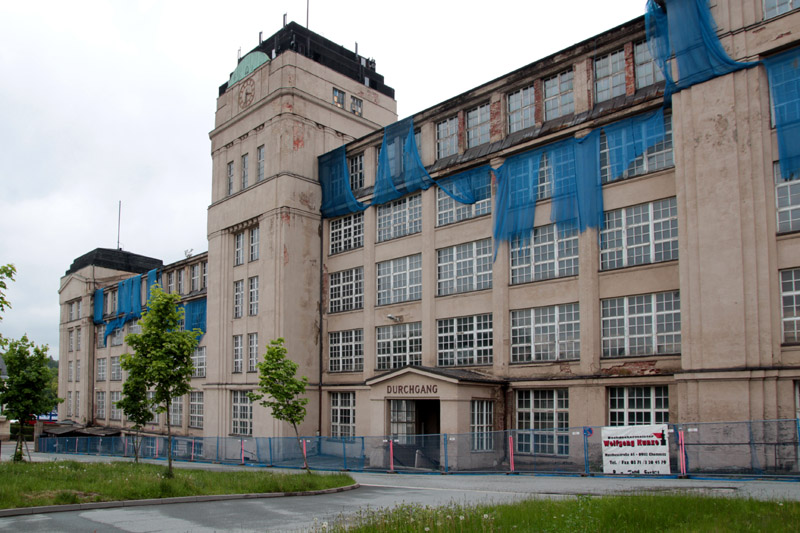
{"x": 415, "y": 430}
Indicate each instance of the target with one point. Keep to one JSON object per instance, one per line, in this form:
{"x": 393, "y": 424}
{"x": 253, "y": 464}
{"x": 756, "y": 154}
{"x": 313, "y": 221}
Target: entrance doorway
{"x": 414, "y": 427}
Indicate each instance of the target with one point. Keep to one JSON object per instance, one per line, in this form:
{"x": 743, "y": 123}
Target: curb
{"x": 18, "y": 511}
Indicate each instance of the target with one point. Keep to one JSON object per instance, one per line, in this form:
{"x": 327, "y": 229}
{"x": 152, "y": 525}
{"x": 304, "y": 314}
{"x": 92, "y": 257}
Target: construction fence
{"x": 754, "y": 448}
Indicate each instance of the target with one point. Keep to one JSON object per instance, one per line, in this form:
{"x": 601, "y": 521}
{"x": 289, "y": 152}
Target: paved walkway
{"x": 302, "y": 513}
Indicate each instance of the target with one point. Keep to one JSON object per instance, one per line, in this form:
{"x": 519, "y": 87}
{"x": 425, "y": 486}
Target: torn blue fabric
{"x": 337, "y": 197}
{"x": 400, "y": 169}
{"x": 152, "y": 279}
{"x": 469, "y": 186}
{"x": 195, "y": 315}
{"x": 98, "y": 306}
{"x": 515, "y": 203}
{"x": 783, "y": 71}
{"x": 630, "y": 138}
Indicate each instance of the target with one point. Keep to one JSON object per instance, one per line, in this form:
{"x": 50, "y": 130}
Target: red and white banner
{"x": 636, "y": 449}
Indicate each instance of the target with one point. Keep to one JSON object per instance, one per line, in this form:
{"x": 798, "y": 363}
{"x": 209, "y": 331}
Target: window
{"x": 787, "y": 201}
{"x": 773, "y": 8}
{"x": 154, "y": 416}
{"x": 115, "y": 413}
{"x": 101, "y": 336}
{"x": 548, "y": 333}
{"x": 70, "y": 373}
{"x": 182, "y": 323}
{"x": 478, "y": 126}
{"x": 112, "y": 302}
{"x": 402, "y": 421}
{"x": 790, "y": 298}
{"x": 609, "y": 76}
{"x": 77, "y": 404}
{"x": 657, "y": 157}
{"x": 238, "y": 298}
{"x": 481, "y": 425}
{"x": 640, "y": 234}
{"x": 544, "y": 417}
{"x": 230, "y": 178}
{"x": 465, "y": 340}
{"x": 347, "y": 290}
{"x": 100, "y": 404}
{"x": 260, "y": 177}
{"x": 245, "y": 168}
{"x": 552, "y": 252}
{"x": 628, "y": 324}
{"x": 199, "y": 362}
{"x": 447, "y": 137}
{"x": 69, "y": 403}
{"x": 196, "y": 410}
{"x": 399, "y": 345}
{"x": 343, "y": 414}
{"x": 71, "y": 310}
{"x": 242, "y": 413}
{"x": 355, "y": 165}
{"x": 70, "y": 340}
{"x": 116, "y": 369}
{"x": 636, "y": 406}
{"x": 101, "y": 369}
{"x": 238, "y": 353}
{"x": 464, "y": 267}
{"x": 195, "y": 271}
{"x": 521, "y": 109}
{"x": 338, "y": 97}
{"x": 171, "y": 282}
{"x": 253, "y": 295}
{"x": 356, "y": 106}
{"x": 78, "y": 370}
{"x": 205, "y": 274}
{"x": 77, "y": 339}
{"x": 254, "y": 243}
{"x": 180, "y": 281}
{"x": 78, "y": 309}
{"x": 347, "y": 233}
{"x": 238, "y": 249}
{"x": 400, "y": 280}
{"x": 116, "y": 337}
{"x": 400, "y": 217}
{"x": 558, "y": 98}
{"x": 346, "y": 350}
{"x": 176, "y": 412}
{"x": 647, "y": 72}
{"x": 449, "y": 211}
{"x": 252, "y": 351}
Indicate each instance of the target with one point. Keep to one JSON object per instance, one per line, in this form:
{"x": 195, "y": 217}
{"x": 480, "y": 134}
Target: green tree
{"x": 280, "y": 390}
{"x": 27, "y": 392}
{"x": 134, "y": 402}
{"x": 6, "y": 273}
{"x": 162, "y": 358}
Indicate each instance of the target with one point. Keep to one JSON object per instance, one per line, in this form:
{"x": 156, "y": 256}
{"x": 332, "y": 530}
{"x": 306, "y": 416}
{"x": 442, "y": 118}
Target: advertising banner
{"x": 636, "y": 449}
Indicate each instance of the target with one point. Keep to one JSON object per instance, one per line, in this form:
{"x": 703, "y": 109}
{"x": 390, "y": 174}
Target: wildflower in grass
{"x": 461, "y": 517}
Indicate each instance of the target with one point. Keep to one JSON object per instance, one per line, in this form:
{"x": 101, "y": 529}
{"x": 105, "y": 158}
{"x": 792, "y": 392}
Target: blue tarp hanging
{"x": 783, "y": 71}
{"x": 111, "y": 325}
{"x": 687, "y": 31}
{"x": 195, "y": 315}
{"x": 630, "y": 138}
{"x": 337, "y": 197}
{"x": 400, "y": 169}
{"x": 469, "y": 186}
{"x": 152, "y": 279}
{"x": 515, "y": 204}
{"x": 98, "y": 306}
{"x": 129, "y": 303}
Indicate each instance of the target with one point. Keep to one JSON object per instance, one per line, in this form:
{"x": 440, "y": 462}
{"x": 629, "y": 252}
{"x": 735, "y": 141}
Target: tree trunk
{"x": 137, "y": 442}
{"x": 299, "y": 443}
{"x": 18, "y": 455}
{"x": 169, "y": 441}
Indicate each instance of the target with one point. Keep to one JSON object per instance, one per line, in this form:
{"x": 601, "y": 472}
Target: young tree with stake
{"x": 280, "y": 390}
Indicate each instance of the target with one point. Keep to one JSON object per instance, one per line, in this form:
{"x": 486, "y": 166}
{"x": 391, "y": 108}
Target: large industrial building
{"x": 580, "y": 242}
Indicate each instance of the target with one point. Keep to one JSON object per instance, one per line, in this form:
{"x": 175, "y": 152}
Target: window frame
{"x": 100, "y": 404}
{"x": 355, "y": 171}
{"x": 554, "y": 245}
{"x": 346, "y": 290}
{"x": 561, "y": 102}
{"x": 339, "y": 98}
{"x": 447, "y": 137}
{"x": 115, "y": 364}
{"x": 399, "y": 280}
{"x": 238, "y": 354}
{"x": 398, "y": 345}
{"x": 636, "y": 415}
{"x": 238, "y": 248}
{"x": 399, "y": 218}
{"x": 245, "y": 170}
{"x": 613, "y": 67}
{"x": 196, "y": 409}
{"x": 465, "y": 341}
{"x": 346, "y": 233}
{"x": 626, "y": 232}
{"x": 521, "y": 108}
{"x": 252, "y": 296}
{"x": 343, "y": 414}
{"x": 252, "y": 352}
{"x": 255, "y": 243}
{"x": 659, "y": 339}
{"x": 199, "y": 362}
{"x": 645, "y": 69}
{"x": 481, "y": 426}
{"x": 260, "y": 163}
{"x": 529, "y": 332}
{"x": 241, "y": 413}
{"x": 238, "y": 298}
{"x": 542, "y": 429}
{"x": 464, "y": 267}
{"x": 478, "y": 122}
{"x": 346, "y": 350}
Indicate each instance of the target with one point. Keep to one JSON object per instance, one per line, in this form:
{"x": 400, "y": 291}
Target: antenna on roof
{"x": 259, "y": 37}
{"x": 356, "y": 47}
{"x": 307, "y": 2}
{"x": 119, "y": 222}
{"x": 284, "y": 20}
{"x": 239, "y": 54}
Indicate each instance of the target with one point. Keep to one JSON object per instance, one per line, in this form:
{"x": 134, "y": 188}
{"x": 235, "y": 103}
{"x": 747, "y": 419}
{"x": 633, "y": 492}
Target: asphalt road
{"x": 304, "y": 513}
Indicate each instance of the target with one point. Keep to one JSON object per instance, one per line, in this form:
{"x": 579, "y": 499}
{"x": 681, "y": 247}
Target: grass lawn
{"x": 615, "y": 514}
{"x": 64, "y": 482}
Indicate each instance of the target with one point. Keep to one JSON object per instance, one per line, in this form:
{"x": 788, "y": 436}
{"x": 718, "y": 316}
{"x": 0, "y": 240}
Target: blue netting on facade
{"x": 688, "y": 32}
{"x": 400, "y": 169}
{"x": 111, "y": 325}
{"x": 630, "y": 138}
{"x": 469, "y": 186}
{"x": 129, "y": 303}
{"x": 783, "y": 71}
{"x": 337, "y": 197}
{"x": 98, "y": 306}
{"x": 195, "y": 315}
{"x": 515, "y": 204}
{"x": 152, "y": 279}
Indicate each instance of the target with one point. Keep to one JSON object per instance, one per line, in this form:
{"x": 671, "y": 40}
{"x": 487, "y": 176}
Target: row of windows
{"x": 641, "y": 234}
{"x": 176, "y": 282}
{"x": 74, "y": 339}
{"x": 74, "y": 310}
{"x": 175, "y": 415}
{"x": 238, "y": 352}
{"x": 244, "y": 170}
{"x": 340, "y": 99}
{"x": 647, "y": 324}
{"x": 252, "y": 297}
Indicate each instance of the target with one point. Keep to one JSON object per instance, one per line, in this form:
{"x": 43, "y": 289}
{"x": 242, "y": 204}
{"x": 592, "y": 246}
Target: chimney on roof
{"x": 284, "y": 20}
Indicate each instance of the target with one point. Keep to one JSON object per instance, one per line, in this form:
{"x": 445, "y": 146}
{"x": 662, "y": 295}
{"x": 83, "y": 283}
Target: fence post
{"x": 270, "y": 450}
{"x": 344, "y": 454}
{"x": 753, "y": 452}
{"x": 511, "y": 451}
{"x": 364, "y": 458}
{"x": 241, "y": 445}
{"x": 586, "y": 450}
{"x": 446, "y": 465}
{"x": 391, "y": 455}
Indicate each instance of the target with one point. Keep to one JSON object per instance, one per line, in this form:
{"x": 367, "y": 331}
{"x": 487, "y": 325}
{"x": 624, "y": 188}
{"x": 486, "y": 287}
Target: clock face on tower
{"x": 247, "y": 93}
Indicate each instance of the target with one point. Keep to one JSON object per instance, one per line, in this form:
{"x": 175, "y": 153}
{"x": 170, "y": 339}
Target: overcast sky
{"x": 109, "y": 101}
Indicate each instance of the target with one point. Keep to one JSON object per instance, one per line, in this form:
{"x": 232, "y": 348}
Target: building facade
{"x": 662, "y": 291}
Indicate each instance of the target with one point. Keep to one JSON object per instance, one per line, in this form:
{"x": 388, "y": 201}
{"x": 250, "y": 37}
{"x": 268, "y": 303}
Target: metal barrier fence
{"x": 768, "y": 447}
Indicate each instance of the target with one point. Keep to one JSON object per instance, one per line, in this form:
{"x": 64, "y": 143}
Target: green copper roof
{"x": 248, "y": 64}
